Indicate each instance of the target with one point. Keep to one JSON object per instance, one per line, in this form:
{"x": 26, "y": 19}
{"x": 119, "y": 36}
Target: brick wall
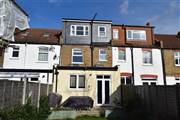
{"x": 170, "y": 67}
{"x": 122, "y": 36}
{"x": 66, "y": 55}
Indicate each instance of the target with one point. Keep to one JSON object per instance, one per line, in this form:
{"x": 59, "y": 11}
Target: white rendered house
{"x": 146, "y": 64}
{"x": 34, "y": 49}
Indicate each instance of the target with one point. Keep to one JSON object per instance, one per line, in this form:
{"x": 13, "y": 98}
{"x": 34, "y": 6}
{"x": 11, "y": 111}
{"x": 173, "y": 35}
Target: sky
{"x": 163, "y": 14}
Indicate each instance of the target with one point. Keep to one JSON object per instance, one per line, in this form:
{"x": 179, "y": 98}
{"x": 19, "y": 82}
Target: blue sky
{"x": 163, "y": 14}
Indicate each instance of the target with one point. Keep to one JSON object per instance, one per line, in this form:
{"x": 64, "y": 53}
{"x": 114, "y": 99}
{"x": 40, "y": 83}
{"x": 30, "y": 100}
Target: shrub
{"x": 27, "y": 111}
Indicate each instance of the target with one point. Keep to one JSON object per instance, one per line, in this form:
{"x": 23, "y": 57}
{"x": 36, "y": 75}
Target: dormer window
{"x": 79, "y": 30}
{"x": 46, "y": 34}
{"x": 136, "y": 34}
{"x": 102, "y": 31}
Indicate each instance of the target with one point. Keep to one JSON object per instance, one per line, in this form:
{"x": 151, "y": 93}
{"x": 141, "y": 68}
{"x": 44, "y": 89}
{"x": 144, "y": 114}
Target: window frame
{"x": 43, "y": 52}
{"x": 177, "y": 57}
{"x": 177, "y": 78}
{"x": 13, "y": 50}
{"x": 125, "y": 80}
{"x": 136, "y": 31}
{"x": 151, "y": 57}
{"x": 75, "y": 30}
{"x": 117, "y": 32}
{"x": 102, "y": 54}
{"x": 77, "y": 87}
{"x": 99, "y": 34}
{"x": 122, "y": 60}
{"x": 73, "y": 51}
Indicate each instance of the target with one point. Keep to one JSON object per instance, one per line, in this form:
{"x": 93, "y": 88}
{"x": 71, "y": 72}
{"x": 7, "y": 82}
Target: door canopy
{"x": 12, "y": 16}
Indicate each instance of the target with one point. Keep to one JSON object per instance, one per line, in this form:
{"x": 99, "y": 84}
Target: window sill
{"x": 122, "y": 61}
{"x": 77, "y": 89}
{"x": 148, "y": 64}
{"x": 42, "y": 62}
{"x": 14, "y": 58}
{"x": 77, "y": 63}
{"x": 177, "y": 65}
{"x": 103, "y": 60}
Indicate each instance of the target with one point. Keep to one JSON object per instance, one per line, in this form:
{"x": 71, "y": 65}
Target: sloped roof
{"x": 38, "y": 36}
{"x": 168, "y": 41}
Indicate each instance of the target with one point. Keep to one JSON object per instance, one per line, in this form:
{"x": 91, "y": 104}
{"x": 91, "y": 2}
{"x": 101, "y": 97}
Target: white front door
{"x": 103, "y": 90}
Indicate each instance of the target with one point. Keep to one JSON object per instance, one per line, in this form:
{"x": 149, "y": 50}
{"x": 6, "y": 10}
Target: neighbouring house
{"x": 171, "y": 52}
{"x": 86, "y": 61}
{"x": 34, "y": 49}
{"x": 99, "y": 83}
{"x": 140, "y": 59}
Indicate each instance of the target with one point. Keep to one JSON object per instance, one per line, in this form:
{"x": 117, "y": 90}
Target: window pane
{"x": 79, "y": 33}
{"x": 102, "y": 29}
{"x": 77, "y": 59}
{"x": 73, "y": 81}
{"x": 102, "y": 55}
{"x": 79, "y": 28}
{"x": 121, "y": 55}
{"x": 81, "y": 81}
{"x": 122, "y": 81}
{"x": 34, "y": 79}
{"x": 43, "y": 57}
{"x": 15, "y": 52}
{"x": 107, "y": 77}
{"x": 129, "y": 34}
{"x": 99, "y": 77}
{"x": 147, "y": 57}
{"x": 128, "y": 80}
{"x": 115, "y": 34}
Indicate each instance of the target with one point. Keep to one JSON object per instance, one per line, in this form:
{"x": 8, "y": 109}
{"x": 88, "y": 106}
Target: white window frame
{"x": 13, "y": 50}
{"x": 125, "y": 55}
{"x": 149, "y": 80}
{"x": 77, "y": 82}
{"x": 102, "y": 54}
{"x": 143, "y": 52}
{"x": 115, "y": 34}
{"x": 47, "y": 52}
{"x": 125, "y": 80}
{"x": 136, "y": 31}
{"x": 75, "y": 30}
{"x": 99, "y": 34}
{"x": 73, "y": 51}
{"x": 177, "y": 57}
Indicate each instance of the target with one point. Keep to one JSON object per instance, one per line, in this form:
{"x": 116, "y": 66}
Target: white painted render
{"x": 139, "y": 67}
{"x": 171, "y": 80}
{"x": 28, "y": 59}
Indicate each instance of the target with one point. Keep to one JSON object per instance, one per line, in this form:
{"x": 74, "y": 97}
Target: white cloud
{"x": 124, "y": 7}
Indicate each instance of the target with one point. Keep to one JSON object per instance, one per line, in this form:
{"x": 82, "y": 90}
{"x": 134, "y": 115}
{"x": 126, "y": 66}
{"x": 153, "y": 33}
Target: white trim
{"x": 103, "y": 54}
{"x": 115, "y": 31}
{"x": 104, "y": 31}
{"x": 77, "y": 55}
{"x": 103, "y": 86}
{"x": 136, "y": 31}
{"x": 77, "y": 82}
{"x": 75, "y": 30}
{"x": 177, "y": 57}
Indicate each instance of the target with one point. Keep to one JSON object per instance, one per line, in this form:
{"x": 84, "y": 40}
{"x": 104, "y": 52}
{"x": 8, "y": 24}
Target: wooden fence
{"x": 13, "y": 92}
{"x": 159, "y": 101}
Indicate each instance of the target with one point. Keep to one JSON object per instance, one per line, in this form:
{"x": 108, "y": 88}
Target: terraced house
{"x": 135, "y": 50}
{"x": 86, "y": 61}
{"x": 171, "y": 56}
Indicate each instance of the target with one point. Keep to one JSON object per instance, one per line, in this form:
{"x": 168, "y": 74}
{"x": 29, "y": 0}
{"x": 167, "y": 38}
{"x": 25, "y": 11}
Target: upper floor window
{"x": 122, "y": 54}
{"x": 136, "y": 34}
{"x": 177, "y": 58}
{"x": 102, "y": 55}
{"x": 79, "y": 30}
{"x": 115, "y": 34}
{"x": 102, "y": 31}
{"x": 15, "y": 52}
{"x": 77, "y": 56}
{"x": 147, "y": 57}
{"x": 77, "y": 81}
{"x": 43, "y": 54}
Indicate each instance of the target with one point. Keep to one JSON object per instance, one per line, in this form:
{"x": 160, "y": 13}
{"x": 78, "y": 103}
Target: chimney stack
{"x": 148, "y": 24}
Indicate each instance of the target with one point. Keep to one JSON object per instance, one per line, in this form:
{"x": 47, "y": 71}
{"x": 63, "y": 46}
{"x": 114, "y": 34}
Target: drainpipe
{"x": 132, "y": 62}
{"x": 56, "y": 73}
{"x": 91, "y": 46}
{"x": 163, "y": 63}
